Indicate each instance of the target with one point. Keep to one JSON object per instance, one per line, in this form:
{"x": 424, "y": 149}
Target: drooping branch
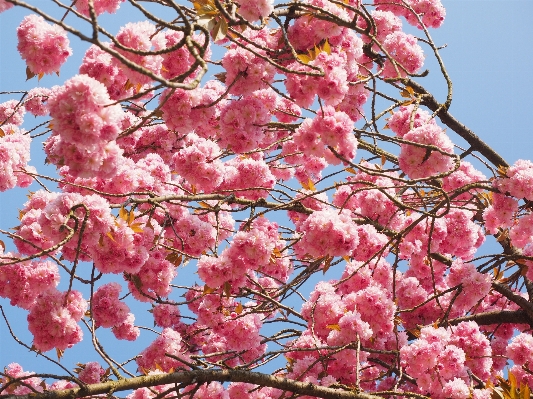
{"x": 199, "y": 377}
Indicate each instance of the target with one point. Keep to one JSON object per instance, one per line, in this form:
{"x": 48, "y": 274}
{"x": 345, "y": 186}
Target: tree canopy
{"x": 302, "y": 225}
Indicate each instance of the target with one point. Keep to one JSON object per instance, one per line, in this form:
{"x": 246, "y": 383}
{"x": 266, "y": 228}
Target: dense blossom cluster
{"x": 99, "y": 6}
{"x": 43, "y": 46}
{"x": 256, "y": 178}
{"x": 14, "y": 157}
{"x": 53, "y": 319}
{"x": 84, "y": 125}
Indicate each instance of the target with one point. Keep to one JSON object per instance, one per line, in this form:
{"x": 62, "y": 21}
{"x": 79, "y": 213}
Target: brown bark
{"x": 199, "y": 377}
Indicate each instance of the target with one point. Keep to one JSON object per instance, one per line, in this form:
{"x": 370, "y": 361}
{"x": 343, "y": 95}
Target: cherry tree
{"x": 335, "y": 236}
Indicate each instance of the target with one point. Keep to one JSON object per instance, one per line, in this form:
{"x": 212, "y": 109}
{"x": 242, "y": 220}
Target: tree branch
{"x": 471, "y": 138}
{"x": 496, "y": 317}
{"x": 198, "y": 377}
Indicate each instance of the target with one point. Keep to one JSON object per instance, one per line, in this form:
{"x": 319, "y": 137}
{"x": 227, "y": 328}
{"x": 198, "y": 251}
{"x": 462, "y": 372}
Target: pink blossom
{"x": 520, "y": 349}
{"x": 407, "y": 53}
{"x": 36, "y": 102}
{"x": 456, "y": 389}
{"x": 400, "y": 122}
{"x": 100, "y": 6}
{"x": 166, "y": 315}
{"x": 14, "y": 158}
{"x": 169, "y": 342}
{"x": 53, "y": 319}
{"x": 44, "y": 47}
{"x": 98, "y": 65}
{"x": 500, "y": 213}
{"x": 142, "y": 37}
{"x": 91, "y": 373}
{"x": 328, "y": 233}
{"x": 518, "y": 180}
{"x": 254, "y": 10}
{"x": 475, "y": 285}
{"x": 127, "y": 329}
{"x": 248, "y": 178}
{"x": 12, "y": 112}
{"x": 14, "y": 371}
{"x": 4, "y": 5}
{"x": 421, "y": 162}
{"x": 23, "y": 282}
{"x": 106, "y": 307}
{"x": 153, "y": 278}
{"x": 84, "y": 128}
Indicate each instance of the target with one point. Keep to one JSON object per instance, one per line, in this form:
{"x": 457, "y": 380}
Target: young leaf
{"x": 327, "y": 264}
{"x": 128, "y": 85}
{"x": 123, "y": 214}
{"x": 227, "y": 289}
{"x": 221, "y": 77}
{"x": 29, "y": 74}
{"x": 205, "y": 7}
{"x": 208, "y": 290}
{"x": 305, "y": 58}
{"x": 308, "y": 185}
{"x": 137, "y": 227}
{"x": 220, "y": 30}
{"x": 175, "y": 258}
{"x": 335, "y": 327}
{"x": 326, "y": 47}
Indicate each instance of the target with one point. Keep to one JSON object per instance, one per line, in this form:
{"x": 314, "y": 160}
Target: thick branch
{"x": 520, "y": 301}
{"x": 199, "y": 377}
{"x": 496, "y": 317}
{"x": 471, "y": 138}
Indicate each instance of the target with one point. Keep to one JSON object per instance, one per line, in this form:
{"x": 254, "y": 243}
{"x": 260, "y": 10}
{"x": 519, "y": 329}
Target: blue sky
{"x": 489, "y": 57}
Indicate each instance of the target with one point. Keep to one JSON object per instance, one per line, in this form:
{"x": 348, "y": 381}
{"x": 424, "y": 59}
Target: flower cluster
{"x": 53, "y": 319}
{"x": 91, "y": 373}
{"x": 140, "y": 37}
{"x": 100, "y": 6}
{"x": 328, "y": 129}
{"x": 14, "y": 157}
{"x": 254, "y": 10}
{"x": 14, "y": 371}
{"x": 155, "y": 356}
{"x": 23, "y": 282}
{"x": 12, "y": 112}
{"x": 44, "y": 47}
{"x": 440, "y": 360}
{"x": 250, "y": 249}
{"x": 84, "y": 126}
{"x": 328, "y": 233}
{"x": 106, "y": 308}
{"x": 4, "y": 5}
{"x": 431, "y": 12}
{"x": 407, "y": 54}
{"x": 421, "y": 161}
{"x": 241, "y": 124}
{"x": 518, "y": 180}
{"x": 36, "y": 101}
{"x": 98, "y": 65}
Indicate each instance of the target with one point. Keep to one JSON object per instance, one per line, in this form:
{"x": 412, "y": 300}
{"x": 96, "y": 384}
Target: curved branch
{"x": 198, "y": 377}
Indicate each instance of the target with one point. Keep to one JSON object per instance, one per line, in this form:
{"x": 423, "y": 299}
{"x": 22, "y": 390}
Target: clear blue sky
{"x": 489, "y": 57}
